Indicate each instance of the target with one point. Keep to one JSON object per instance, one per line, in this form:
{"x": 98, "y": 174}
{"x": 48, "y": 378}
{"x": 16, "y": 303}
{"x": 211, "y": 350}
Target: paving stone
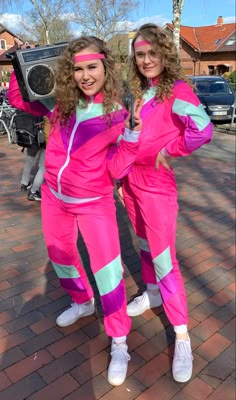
{"x": 213, "y": 347}
{"x": 24, "y": 388}
{"x": 40, "y": 341}
{"x": 9, "y": 357}
{"x": 165, "y": 387}
{"x": 197, "y": 389}
{"x": 94, "y": 389}
{"x": 27, "y": 366}
{"x": 224, "y": 391}
{"x": 229, "y": 330}
{"x": 153, "y": 369}
{"x": 61, "y": 366}
{"x": 221, "y": 367}
{"x": 56, "y": 390}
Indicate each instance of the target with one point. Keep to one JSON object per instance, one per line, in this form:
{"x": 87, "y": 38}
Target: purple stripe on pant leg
{"x": 75, "y": 284}
{"x": 113, "y": 301}
{"x": 168, "y": 286}
{"x": 148, "y": 272}
{"x": 146, "y": 257}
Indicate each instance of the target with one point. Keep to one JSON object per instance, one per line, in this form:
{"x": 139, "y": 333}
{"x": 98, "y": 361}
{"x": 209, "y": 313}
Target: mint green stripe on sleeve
{"x": 197, "y": 114}
{"x": 49, "y": 103}
{"x": 65, "y": 271}
{"x": 162, "y": 264}
{"x": 109, "y": 277}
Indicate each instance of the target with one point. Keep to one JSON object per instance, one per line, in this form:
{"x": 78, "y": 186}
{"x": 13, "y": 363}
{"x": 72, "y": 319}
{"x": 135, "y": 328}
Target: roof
{"x": 4, "y": 52}
{"x": 206, "y": 38}
{"x": 4, "y": 29}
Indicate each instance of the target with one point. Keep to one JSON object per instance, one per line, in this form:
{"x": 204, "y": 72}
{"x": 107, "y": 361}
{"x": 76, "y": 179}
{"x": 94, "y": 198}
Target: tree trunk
{"x": 177, "y": 10}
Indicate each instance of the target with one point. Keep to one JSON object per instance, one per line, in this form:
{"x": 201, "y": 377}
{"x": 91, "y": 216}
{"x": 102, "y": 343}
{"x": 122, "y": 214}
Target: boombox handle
{"x": 19, "y": 75}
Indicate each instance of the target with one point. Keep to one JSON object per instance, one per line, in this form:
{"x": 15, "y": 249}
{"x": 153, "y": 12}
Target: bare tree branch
{"x": 45, "y": 23}
{"x": 102, "y": 18}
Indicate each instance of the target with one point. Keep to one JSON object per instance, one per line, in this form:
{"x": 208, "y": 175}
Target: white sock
{"x": 153, "y": 288}
{"x": 120, "y": 339}
{"x": 181, "y": 329}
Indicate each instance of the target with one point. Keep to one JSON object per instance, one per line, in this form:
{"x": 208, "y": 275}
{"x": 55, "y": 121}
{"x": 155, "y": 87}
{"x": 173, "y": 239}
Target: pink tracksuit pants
{"x": 97, "y": 223}
{"x": 151, "y": 200}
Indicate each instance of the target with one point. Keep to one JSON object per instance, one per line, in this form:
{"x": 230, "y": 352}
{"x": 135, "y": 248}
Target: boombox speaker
{"x": 34, "y": 70}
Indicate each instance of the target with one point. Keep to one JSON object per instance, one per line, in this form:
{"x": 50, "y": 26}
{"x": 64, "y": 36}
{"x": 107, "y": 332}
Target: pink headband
{"x": 88, "y": 57}
{"x": 141, "y": 43}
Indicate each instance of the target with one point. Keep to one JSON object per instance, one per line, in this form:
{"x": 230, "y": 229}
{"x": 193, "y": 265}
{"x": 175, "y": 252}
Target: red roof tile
{"x": 203, "y": 38}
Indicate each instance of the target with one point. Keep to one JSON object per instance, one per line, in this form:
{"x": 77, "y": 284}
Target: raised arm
{"x": 16, "y": 100}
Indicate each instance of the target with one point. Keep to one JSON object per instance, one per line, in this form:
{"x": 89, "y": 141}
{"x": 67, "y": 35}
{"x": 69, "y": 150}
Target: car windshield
{"x": 211, "y": 88}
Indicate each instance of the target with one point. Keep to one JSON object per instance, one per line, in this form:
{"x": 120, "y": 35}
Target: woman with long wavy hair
{"x": 174, "y": 124}
{"x": 86, "y": 122}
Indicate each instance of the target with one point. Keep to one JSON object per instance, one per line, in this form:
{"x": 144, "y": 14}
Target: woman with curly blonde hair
{"x": 174, "y": 124}
{"x": 86, "y": 121}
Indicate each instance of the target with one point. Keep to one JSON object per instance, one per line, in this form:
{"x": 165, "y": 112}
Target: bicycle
{"x": 7, "y": 121}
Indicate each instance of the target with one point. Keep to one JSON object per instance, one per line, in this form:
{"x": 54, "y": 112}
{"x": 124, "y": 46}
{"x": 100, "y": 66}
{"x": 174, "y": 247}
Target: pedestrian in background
{"x": 35, "y": 158}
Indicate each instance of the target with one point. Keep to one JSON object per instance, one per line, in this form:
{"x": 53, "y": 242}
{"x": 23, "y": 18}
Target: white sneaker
{"x": 144, "y": 302}
{"x": 76, "y": 311}
{"x": 117, "y": 369}
{"x": 182, "y": 366}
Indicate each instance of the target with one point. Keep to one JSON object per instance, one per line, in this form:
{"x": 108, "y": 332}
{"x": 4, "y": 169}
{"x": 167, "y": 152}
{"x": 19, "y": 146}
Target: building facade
{"x": 207, "y": 50}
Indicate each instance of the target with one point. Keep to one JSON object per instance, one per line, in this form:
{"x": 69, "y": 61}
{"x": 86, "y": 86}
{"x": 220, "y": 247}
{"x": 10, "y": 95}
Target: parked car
{"x": 216, "y": 96}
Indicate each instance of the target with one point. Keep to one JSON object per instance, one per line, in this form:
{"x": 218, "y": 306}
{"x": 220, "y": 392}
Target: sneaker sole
{"x": 136, "y": 314}
{"x": 182, "y": 379}
{"x": 116, "y": 382}
{"x": 34, "y": 199}
{"x": 63, "y": 325}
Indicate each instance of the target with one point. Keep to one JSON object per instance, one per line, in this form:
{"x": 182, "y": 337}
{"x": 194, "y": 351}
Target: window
{"x": 3, "y": 44}
{"x": 217, "y": 41}
{"x": 211, "y": 69}
{"x": 231, "y": 41}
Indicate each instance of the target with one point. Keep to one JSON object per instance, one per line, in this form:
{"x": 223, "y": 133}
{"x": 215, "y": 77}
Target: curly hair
{"x": 67, "y": 93}
{"x": 163, "y": 45}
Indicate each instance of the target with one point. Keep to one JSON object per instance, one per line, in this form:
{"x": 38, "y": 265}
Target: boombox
{"x": 34, "y": 70}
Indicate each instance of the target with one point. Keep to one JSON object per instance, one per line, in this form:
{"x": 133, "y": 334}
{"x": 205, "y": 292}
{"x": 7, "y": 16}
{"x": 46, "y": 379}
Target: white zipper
{"x": 70, "y": 146}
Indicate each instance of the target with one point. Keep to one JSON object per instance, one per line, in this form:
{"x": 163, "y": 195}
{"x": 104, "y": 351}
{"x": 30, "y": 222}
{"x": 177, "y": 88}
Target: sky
{"x": 195, "y": 13}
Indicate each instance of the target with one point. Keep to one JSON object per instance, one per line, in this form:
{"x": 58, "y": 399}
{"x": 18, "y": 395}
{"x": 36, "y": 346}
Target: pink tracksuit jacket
{"x": 175, "y": 127}
{"x": 77, "y": 194}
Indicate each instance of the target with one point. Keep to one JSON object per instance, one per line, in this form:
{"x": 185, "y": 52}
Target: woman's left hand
{"x": 120, "y": 193}
{"x": 164, "y": 160}
{"x": 137, "y": 118}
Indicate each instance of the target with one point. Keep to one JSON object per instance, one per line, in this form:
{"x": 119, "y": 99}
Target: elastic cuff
{"x": 131, "y": 136}
{"x": 181, "y": 329}
{"x": 119, "y": 339}
{"x": 152, "y": 286}
{"x": 164, "y": 152}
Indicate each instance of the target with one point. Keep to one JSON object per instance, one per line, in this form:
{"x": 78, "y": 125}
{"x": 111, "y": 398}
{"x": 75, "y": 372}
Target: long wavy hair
{"x": 164, "y": 46}
{"x": 67, "y": 93}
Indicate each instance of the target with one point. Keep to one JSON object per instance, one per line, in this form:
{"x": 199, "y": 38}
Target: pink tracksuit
{"x": 78, "y": 193}
{"x": 177, "y": 127}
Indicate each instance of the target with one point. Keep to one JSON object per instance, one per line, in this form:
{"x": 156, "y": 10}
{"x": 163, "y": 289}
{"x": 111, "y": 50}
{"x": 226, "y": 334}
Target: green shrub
{"x": 232, "y": 77}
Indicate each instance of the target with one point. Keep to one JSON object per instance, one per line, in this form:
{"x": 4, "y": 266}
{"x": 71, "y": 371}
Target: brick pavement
{"x": 42, "y": 361}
